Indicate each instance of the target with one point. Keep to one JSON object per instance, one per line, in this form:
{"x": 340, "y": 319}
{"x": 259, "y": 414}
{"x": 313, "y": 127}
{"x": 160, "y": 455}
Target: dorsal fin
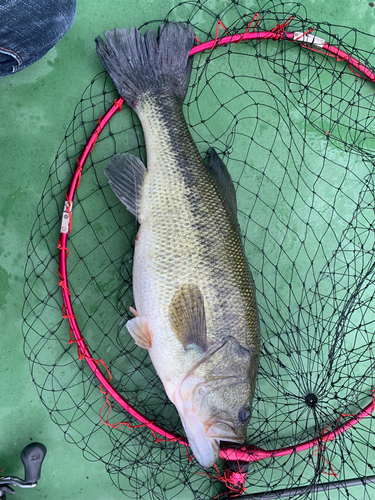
{"x": 224, "y": 181}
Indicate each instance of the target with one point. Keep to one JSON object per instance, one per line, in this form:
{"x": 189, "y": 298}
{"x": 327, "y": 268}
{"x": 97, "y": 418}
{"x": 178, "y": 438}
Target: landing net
{"x": 293, "y": 121}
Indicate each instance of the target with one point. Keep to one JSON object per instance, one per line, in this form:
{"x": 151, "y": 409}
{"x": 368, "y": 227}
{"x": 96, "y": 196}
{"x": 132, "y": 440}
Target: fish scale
{"x": 200, "y": 233}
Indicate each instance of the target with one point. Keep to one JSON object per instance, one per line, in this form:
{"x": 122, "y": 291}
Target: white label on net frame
{"x": 65, "y": 221}
{"x": 314, "y": 40}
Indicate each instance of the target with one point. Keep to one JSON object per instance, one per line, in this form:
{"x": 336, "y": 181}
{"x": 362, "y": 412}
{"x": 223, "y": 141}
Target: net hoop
{"x": 245, "y": 453}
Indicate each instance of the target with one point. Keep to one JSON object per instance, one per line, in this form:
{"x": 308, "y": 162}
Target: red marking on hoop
{"x": 242, "y": 35}
{"x": 256, "y": 16}
{"x": 168, "y": 440}
{"x": 327, "y": 436}
{"x": 79, "y": 171}
{"x": 324, "y": 52}
{"x": 323, "y": 448}
{"x": 279, "y": 30}
{"x": 63, "y": 285}
{"x": 68, "y": 316}
{"x": 356, "y": 74}
{"x": 333, "y": 473}
{"x": 82, "y": 353}
{"x": 118, "y": 424}
{"x": 189, "y": 457}
{"x": 340, "y": 55}
{"x": 82, "y": 348}
{"x": 354, "y": 418}
{"x": 121, "y": 424}
{"x": 108, "y": 403}
{"x": 71, "y": 339}
{"x": 236, "y": 480}
{"x": 96, "y": 134}
{"x": 281, "y": 27}
{"x": 118, "y": 103}
{"x": 219, "y": 23}
{"x": 60, "y": 247}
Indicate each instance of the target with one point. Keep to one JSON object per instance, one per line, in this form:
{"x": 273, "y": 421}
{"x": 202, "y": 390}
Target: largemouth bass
{"x": 195, "y": 299}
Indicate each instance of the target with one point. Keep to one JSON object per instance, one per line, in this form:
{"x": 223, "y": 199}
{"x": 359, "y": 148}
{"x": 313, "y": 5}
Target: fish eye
{"x": 244, "y": 414}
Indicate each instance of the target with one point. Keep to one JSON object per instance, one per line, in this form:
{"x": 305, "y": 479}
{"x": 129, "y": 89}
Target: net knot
{"x": 234, "y": 480}
{"x": 279, "y": 30}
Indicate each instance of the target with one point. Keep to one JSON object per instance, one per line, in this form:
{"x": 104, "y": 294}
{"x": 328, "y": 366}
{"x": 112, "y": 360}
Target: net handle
{"x": 246, "y": 453}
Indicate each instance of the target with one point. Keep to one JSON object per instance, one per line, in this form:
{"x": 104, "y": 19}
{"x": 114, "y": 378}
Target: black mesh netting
{"x": 296, "y": 129}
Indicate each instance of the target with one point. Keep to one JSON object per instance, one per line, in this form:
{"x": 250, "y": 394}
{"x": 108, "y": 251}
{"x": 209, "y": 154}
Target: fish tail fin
{"x": 141, "y": 65}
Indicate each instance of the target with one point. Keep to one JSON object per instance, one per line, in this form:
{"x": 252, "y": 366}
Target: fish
{"x": 195, "y": 301}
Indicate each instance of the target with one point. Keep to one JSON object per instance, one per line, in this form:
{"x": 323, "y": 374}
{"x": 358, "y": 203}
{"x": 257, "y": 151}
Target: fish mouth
{"x": 223, "y": 430}
{"x": 204, "y": 439}
{"x": 204, "y": 435}
{"x": 206, "y": 449}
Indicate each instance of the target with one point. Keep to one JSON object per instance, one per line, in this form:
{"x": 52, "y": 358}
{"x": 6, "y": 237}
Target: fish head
{"x": 214, "y": 400}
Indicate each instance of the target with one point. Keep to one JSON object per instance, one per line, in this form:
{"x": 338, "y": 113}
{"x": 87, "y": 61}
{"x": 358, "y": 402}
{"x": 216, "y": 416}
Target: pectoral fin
{"x": 141, "y": 333}
{"x": 187, "y": 317}
{"x": 125, "y": 174}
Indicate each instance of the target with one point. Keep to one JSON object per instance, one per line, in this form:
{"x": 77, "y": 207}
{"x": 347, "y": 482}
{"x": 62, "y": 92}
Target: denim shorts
{"x": 29, "y": 29}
